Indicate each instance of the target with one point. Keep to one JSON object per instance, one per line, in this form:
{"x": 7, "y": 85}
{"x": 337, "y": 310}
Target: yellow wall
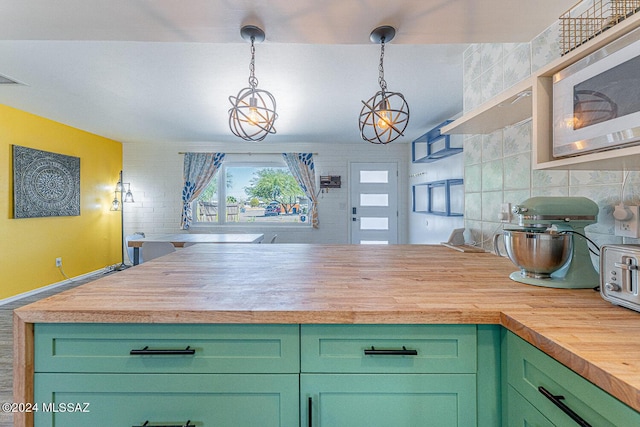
{"x": 89, "y": 242}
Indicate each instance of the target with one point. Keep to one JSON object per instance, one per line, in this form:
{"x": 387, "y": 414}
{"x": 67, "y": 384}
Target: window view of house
{"x": 246, "y": 193}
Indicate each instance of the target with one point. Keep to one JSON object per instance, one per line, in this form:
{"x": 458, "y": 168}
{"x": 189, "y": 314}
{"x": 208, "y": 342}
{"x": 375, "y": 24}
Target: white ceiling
{"x": 162, "y": 70}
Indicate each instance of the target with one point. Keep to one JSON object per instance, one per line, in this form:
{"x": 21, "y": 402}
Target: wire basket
{"x": 583, "y": 22}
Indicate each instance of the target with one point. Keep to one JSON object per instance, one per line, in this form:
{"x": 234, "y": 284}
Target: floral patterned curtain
{"x": 302, "y": 168}
{"x": 199, "y": 169}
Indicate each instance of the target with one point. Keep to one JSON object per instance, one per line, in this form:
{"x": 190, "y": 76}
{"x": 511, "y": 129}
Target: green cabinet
{"x": 365, "y": 400}
{"x": 188, "y": 348}
{"x": 402, "y": 375}
{"x": 167, "y": 399}
{"x": 309, "y": 375}
{"x": 218, "y": 375}
{"x": 521, "y": 413}
{"x": 561, "y": 396}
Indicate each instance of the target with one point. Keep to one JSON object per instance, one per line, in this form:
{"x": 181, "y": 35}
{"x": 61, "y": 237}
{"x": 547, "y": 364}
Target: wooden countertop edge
{"x": 610, "y": 383}
{"x": 267, "y": 317}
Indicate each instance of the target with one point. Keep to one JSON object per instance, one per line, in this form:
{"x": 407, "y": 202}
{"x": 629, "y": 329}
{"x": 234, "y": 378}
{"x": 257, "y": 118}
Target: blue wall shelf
{"x": 435, "y": 197}
{"x": 433, "y": 145}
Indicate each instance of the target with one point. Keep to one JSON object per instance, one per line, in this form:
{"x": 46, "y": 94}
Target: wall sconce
{"x": 385, "y": 116}
{"x": 254, "y": 110}
{"x": 118, "y": 205}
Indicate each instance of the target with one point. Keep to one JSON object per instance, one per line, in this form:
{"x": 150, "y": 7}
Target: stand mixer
{"x": 546, "y": 247}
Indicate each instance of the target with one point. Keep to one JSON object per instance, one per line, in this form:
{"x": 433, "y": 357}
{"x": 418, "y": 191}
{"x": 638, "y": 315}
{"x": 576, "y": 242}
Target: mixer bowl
{"x": 538, "y": 254}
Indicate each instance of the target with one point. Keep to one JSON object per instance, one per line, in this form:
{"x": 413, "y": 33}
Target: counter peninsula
{"x": 348, "y": 284}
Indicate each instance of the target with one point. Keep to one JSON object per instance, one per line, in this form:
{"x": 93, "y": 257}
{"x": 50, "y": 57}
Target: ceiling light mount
{"x": 253, "y": 110}
{"x": 249, "y": 31}
{"x": 383, "y": 34}
{"x": 385, "y": 116}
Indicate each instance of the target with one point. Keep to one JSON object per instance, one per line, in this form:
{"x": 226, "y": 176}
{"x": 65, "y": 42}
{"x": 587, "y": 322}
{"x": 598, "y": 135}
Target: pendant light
{"x": 385, "y": 116}
{"x": 253, "y": 110}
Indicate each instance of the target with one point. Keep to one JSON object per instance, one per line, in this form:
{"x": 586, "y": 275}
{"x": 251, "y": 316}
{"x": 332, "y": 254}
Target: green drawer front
{"x": 361, "y": 400}
{"x": 521, "y": 413}
{"x": 130, "y": 400}
{"x": 529, "y": 368}
{"x": 218, "y": 348}
{"x": 340, "y": 348}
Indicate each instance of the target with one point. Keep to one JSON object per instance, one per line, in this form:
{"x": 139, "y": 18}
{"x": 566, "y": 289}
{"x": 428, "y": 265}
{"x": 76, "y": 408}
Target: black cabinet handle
{"x": 404, "y": 352}
{"x": 557, "y": 400}
{"x": 146, "y": 351}
{"x": 310, "y": 412}
{"x": 146, "y": 424}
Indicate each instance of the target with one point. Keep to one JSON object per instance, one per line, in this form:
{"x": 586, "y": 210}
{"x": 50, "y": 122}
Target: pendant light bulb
{"x": 254, "y": 115}
{"x": 384, "y": 115}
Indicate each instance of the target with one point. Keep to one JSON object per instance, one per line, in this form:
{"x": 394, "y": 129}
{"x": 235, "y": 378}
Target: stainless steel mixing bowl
{"x": 538, "y": 254}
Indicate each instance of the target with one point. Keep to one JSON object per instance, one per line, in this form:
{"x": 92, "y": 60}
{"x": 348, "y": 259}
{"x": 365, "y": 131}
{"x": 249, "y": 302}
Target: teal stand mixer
{"x": 550, "y": 246}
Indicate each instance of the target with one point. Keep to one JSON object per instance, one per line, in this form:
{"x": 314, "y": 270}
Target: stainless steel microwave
{"x": 596, "y": 101}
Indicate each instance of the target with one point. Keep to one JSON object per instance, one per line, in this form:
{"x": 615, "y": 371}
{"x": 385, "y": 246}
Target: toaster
{"x": 619, "y": 275}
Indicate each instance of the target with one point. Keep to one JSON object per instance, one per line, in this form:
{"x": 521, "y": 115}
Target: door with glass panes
{"x": 374, "y": 203}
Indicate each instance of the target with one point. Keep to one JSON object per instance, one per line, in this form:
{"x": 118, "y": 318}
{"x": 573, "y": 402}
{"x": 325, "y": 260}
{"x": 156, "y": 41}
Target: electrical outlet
{"x": 59, "y": 262}
{"x": 630, "y": 227}
{"x": 505, "y": 213}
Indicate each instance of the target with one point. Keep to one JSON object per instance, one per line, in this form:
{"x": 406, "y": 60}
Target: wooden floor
{"x": 6, "y": 342}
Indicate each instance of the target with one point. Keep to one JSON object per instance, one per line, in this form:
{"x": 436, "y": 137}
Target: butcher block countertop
{"x": 396, "y": 284}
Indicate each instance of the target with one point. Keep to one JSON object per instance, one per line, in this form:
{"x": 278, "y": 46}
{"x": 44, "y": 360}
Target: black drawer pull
{"x": 310, "y": 412}
{"x": 404, "y": 352}
{"x": 556, "y": 400}
{"x": 146, "y": 424}
{"x": 146, "y": 351}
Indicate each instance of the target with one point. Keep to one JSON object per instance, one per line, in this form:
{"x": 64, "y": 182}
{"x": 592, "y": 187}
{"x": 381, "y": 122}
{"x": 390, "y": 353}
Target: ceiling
{"x": 163, "y": 70}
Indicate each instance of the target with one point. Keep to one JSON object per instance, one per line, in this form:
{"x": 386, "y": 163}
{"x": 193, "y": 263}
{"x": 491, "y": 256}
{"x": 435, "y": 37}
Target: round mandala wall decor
{"x": 45, "y": 184}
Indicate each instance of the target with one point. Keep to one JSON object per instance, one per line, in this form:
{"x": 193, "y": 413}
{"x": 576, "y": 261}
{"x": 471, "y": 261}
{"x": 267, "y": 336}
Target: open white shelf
{"x": 513, "y": 106}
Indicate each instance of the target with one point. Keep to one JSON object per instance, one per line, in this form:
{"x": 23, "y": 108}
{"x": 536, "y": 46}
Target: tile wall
{"x": 497, "y": 166}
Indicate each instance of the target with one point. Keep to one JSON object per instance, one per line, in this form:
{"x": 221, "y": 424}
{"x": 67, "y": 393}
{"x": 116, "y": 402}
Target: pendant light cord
{"x": 253, "y": 80}
{"x": 381, "y": 80}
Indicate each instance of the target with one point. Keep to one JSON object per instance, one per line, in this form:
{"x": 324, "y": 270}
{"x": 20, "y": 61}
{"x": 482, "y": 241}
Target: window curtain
{"x": 302, "y": 169}
{"x": 199, "y": 169}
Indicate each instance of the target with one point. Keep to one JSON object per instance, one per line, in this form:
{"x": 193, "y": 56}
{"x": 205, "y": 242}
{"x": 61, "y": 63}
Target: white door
{"x": 374, "y": 203}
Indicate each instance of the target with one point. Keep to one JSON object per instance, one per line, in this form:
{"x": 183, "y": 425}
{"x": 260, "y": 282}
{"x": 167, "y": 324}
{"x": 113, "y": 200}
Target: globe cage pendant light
{"x": 385, "y": 116}
{"x": 253, "y": 110}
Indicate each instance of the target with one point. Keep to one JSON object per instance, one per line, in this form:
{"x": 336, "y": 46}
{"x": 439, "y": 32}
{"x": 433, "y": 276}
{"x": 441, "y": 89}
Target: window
{"x": 264, "y": 193}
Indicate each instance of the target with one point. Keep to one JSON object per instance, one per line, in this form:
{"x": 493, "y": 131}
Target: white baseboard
{"x": 49, "y": 287}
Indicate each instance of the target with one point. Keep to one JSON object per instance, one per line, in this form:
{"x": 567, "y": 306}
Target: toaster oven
{"x": 619, "y": 275}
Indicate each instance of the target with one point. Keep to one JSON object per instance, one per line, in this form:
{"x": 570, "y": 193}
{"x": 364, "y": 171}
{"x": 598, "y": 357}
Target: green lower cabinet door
{"x": 521, "y": 413}
{"x": 367, "y": 400}
{"x": 127, "y": 400}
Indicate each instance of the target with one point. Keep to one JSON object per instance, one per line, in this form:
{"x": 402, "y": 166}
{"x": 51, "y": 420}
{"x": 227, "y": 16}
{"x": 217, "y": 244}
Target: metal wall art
{"x": 45, "y": 184}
